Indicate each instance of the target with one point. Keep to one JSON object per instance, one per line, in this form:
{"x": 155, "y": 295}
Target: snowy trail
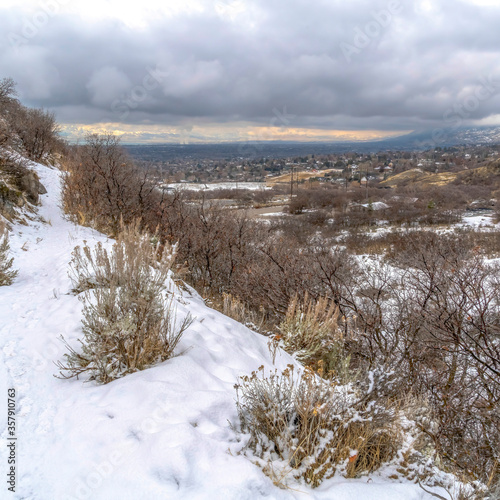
{"x": 29, "y": 341}
{"x": 160, "y": 433}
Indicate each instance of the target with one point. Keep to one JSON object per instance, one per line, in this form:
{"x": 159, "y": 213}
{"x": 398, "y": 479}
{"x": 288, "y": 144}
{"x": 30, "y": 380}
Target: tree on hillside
{"x": 7, "y": 91}
{"x": 7, "y": 97}
{"x": 32, "y": 132}
{"x": 103, "y": 184}
{"x": 37, "y": 130}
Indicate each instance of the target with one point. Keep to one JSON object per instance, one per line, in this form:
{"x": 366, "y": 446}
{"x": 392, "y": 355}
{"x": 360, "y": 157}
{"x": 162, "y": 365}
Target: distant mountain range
{"x": 446, "y": 137}
{"x": 421, "y": 140}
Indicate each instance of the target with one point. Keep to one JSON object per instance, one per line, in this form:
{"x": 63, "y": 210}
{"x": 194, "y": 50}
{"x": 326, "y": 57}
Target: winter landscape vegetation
{"x": 197, "y": 302}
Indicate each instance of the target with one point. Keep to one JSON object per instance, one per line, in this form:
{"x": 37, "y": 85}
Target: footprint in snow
{"x": 9, "y": 348}
{"x": 16, "y": 367}
{"x": 45, "y": 421}
{"x": 25, "y": 407}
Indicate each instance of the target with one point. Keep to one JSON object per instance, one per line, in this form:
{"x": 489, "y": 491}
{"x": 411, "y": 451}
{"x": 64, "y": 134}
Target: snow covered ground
{"x": 252, "y": 186}
{"x": 163, "y": 433}
{"x": 479, "y": 222}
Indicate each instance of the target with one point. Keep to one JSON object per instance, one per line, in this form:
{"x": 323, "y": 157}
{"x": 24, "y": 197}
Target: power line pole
{"x": 366, "y": 191}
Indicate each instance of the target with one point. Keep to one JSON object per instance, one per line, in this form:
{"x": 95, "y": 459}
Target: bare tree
{"x": 37, "y": 130}
{"x": 7, "y": 91}
{"x": 7, "y": 98}
{"x": 103, "y": 185}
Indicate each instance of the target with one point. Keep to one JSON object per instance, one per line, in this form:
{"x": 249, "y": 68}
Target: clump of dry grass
{"x": 303, "y": 426}
{"x": 7, "y": 274}
{"x": 128, "y": 325}
{"x": 311, "y": 334}
{"x": 235, "y": 308}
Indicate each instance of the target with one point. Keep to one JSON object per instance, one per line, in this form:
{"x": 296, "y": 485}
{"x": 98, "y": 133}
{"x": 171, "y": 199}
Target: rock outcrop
{"x": 20, "y": 187}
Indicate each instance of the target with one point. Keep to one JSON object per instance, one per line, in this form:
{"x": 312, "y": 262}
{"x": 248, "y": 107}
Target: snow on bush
{"x": 308, "y": 428}
{"x": 128, "y": 324}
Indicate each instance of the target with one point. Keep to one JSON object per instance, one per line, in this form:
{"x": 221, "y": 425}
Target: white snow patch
{"x": 253, "y": 186}
{"x": 377, "y": 205}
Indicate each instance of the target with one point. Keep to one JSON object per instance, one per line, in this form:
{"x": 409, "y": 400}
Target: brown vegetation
{"x": 316, "y": 428}
{"x": 425, "y": 309}
{"x": 7, "y": 274}
{"x": 102, "y": 185}
{"x": 31, "y": 132}
{"x": 128, "y": 325}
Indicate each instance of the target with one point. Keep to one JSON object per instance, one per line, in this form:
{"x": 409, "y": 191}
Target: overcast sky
{"x": 213, "y": 70}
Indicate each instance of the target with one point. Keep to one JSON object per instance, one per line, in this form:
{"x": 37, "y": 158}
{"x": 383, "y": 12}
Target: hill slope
{"x": 418, "y": 178}
{"x": 160, "y": 433}
{"x": 484, "y": 175}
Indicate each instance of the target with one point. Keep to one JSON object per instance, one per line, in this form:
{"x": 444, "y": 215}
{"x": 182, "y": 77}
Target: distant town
{"x": 337, "y": 168}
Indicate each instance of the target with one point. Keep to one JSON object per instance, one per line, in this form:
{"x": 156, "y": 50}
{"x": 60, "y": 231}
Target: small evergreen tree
{"x": 7, "y": 275}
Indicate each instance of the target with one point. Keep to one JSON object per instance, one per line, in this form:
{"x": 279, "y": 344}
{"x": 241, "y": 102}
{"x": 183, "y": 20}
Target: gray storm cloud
{"x": 362, "y": 64}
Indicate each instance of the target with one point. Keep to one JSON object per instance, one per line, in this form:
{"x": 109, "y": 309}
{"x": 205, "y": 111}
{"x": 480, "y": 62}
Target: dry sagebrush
{"x": 128, "y": 325}
{"x": 308, "y": 428}
{"x": 135, "y": 258}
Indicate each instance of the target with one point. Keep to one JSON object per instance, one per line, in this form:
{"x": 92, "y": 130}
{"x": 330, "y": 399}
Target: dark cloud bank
{"x": 364, "y": 64}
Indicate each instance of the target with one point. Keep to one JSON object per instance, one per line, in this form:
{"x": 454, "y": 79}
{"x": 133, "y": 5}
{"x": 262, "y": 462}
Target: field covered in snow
{"x": 167, "y": 432}
{"x": 253, "y": 186}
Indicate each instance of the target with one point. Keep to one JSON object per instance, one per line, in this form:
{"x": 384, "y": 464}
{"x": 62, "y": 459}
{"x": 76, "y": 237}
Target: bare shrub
{"x": 333, "y": 271}
{"x": 436, "y": 324}
{"x": 318, "y": 217}
{"x": 103, "y": 186}
{"x": 298, "y": 204}
{"x": 32, "y": 132}
{"x": 275, "y": 273}
{"x": 315, "y": 428}
{"x": 262, "y": 197}
{"x": 217, "y": 246}
{"x": 37, "y": 130}
{"x": 128, "y": 325}
{"x": 461, "y": 325}
{"x": 7, "y": 274}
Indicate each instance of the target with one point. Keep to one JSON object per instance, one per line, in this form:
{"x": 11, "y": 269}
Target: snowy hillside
{"x": 163, "y": 433}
